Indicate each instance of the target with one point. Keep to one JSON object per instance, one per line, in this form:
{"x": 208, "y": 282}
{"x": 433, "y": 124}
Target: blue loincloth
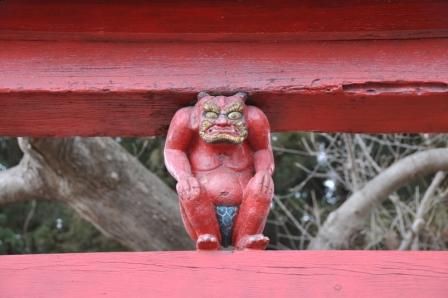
{"x": 226, "y": 219}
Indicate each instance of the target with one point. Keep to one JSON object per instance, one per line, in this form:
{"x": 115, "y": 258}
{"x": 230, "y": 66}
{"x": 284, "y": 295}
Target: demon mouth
{"x": 234, "y": 134}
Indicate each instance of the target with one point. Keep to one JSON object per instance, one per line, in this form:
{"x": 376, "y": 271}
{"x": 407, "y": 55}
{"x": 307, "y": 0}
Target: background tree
{"x": 332, "y": 191}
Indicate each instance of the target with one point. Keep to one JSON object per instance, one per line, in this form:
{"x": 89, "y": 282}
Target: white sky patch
{"x": 330, "y": 184}
{"x": 322, "y": 157}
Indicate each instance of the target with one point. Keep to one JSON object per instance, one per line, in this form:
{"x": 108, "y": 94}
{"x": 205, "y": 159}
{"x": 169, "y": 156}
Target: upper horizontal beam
{"x": 222, "y": 20}
{"x": 229, "y": 274}
{"x": 85, "y": 88}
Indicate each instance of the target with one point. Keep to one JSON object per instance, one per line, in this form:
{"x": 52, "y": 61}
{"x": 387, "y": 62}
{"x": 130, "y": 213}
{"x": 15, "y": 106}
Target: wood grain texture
{"x": 102, "y": 88}
{"x": 227, "y": 274}
{"x": 222, "y": 20}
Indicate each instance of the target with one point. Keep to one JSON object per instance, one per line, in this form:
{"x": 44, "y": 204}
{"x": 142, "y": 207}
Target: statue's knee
{"x": 260, "y": 188}
{"x": 258, "y": 196}
{"x": 266, "y": 198}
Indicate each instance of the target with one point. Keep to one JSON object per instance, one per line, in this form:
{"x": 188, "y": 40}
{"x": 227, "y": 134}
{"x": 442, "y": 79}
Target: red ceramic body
{"x": 219, "y": 152}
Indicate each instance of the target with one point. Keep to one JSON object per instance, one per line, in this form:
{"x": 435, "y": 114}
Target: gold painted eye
{"x": 234, "y": 115}
{"x": 211, "y": 115}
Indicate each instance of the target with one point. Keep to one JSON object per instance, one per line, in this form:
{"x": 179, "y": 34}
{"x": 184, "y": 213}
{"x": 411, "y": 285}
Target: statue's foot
{"x": 207, "y": 242}
{"x": 257, "y": 241}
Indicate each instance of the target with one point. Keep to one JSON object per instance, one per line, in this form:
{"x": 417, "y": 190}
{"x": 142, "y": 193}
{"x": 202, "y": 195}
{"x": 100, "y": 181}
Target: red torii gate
{"x": 122, "y": 68}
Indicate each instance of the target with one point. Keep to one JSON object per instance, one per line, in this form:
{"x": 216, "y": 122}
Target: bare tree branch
{"x": 423, "y": 207}
{"x": 19, "y": 183}
{"x": 351, "y": 215}
{"x": 351, "y": 162}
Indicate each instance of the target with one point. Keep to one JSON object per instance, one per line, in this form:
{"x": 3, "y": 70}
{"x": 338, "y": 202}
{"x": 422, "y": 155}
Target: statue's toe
{"x": 257, "y": 241}
{"x": 207, "y": 242}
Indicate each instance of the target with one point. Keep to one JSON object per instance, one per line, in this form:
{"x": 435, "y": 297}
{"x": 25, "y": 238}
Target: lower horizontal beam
{"x": 229, "y": 274}
{"x": 130, "y": 89}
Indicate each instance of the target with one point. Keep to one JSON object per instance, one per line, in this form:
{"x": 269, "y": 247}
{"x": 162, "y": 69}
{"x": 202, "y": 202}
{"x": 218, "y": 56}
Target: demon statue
{"x": 219, "y": 152}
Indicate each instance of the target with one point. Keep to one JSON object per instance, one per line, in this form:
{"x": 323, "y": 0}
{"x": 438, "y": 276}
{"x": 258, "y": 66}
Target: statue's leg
{"x": 200, "y": 222}
{"x": 251, "y": 219}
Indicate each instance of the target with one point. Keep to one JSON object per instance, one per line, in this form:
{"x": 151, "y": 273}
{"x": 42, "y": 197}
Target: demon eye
{"x": 211, "y": 115}
{"x": 234, "y": 115}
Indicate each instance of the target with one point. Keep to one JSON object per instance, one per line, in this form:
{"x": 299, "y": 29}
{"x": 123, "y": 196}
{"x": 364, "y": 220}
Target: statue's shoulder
{"x": 184, "y": 117}
{"x": 256, "y": 116}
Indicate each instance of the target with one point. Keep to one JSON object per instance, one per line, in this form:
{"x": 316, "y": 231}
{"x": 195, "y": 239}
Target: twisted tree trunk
{"x": 104, "y": 183}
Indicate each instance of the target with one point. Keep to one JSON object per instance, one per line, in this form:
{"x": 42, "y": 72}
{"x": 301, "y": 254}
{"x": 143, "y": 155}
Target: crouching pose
{"x": 219, "y": 152}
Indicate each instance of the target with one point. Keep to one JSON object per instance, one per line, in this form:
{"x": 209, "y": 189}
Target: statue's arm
{"x": 260, "y": 140}
{"x": 176, "y": 145}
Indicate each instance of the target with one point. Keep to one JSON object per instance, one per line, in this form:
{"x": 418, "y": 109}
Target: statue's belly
{"x": 224, "y": 186}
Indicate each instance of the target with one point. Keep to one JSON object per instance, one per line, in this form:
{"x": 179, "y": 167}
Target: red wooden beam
{"x": 227, "y": 274}
{"x": 222, "y": 20}
{"x": 106, "y": 68}
{"x": 111, "y": 88}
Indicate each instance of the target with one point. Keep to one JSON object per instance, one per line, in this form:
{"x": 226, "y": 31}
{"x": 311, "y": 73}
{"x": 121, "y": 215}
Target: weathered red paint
{"x": 81, "y": 88}
{"x": 227, "y": 274}
{"x": 222, "y": 20}
{"x": 63, "y": 81}
{"x": 219, "y": 151}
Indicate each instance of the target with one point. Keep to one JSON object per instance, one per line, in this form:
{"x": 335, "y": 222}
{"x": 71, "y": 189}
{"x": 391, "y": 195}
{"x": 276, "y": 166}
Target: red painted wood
{"x": 102, "y": 88}
{"x": 222, "y": 20}
{"x": 227, "y": 274}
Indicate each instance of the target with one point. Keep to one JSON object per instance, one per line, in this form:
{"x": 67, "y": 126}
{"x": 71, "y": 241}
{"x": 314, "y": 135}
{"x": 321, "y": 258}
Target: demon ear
{"x": 242, "y": 95}
{"x": 202, "y": 94}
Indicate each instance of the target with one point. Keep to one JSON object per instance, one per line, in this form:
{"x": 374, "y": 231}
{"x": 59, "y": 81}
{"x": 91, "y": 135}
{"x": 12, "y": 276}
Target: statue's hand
{"x": 261, "y": 184}
{"x": 188, "y": 188}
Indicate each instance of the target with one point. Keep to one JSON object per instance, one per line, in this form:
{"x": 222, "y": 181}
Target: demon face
{"x": 222, "y": 119}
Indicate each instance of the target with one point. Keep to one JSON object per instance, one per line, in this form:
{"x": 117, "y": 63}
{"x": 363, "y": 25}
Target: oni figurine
{"x": 219, "y": 151}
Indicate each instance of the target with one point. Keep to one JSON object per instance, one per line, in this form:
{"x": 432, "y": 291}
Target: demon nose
{"x": 221, "y": 121}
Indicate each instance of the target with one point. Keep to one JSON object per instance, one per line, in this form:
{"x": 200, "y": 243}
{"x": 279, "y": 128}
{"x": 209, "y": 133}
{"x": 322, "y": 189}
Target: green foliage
{"x": 10, "y": 153}
{"x": 48, "y": 227}
{"x": 287, "y": 173}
